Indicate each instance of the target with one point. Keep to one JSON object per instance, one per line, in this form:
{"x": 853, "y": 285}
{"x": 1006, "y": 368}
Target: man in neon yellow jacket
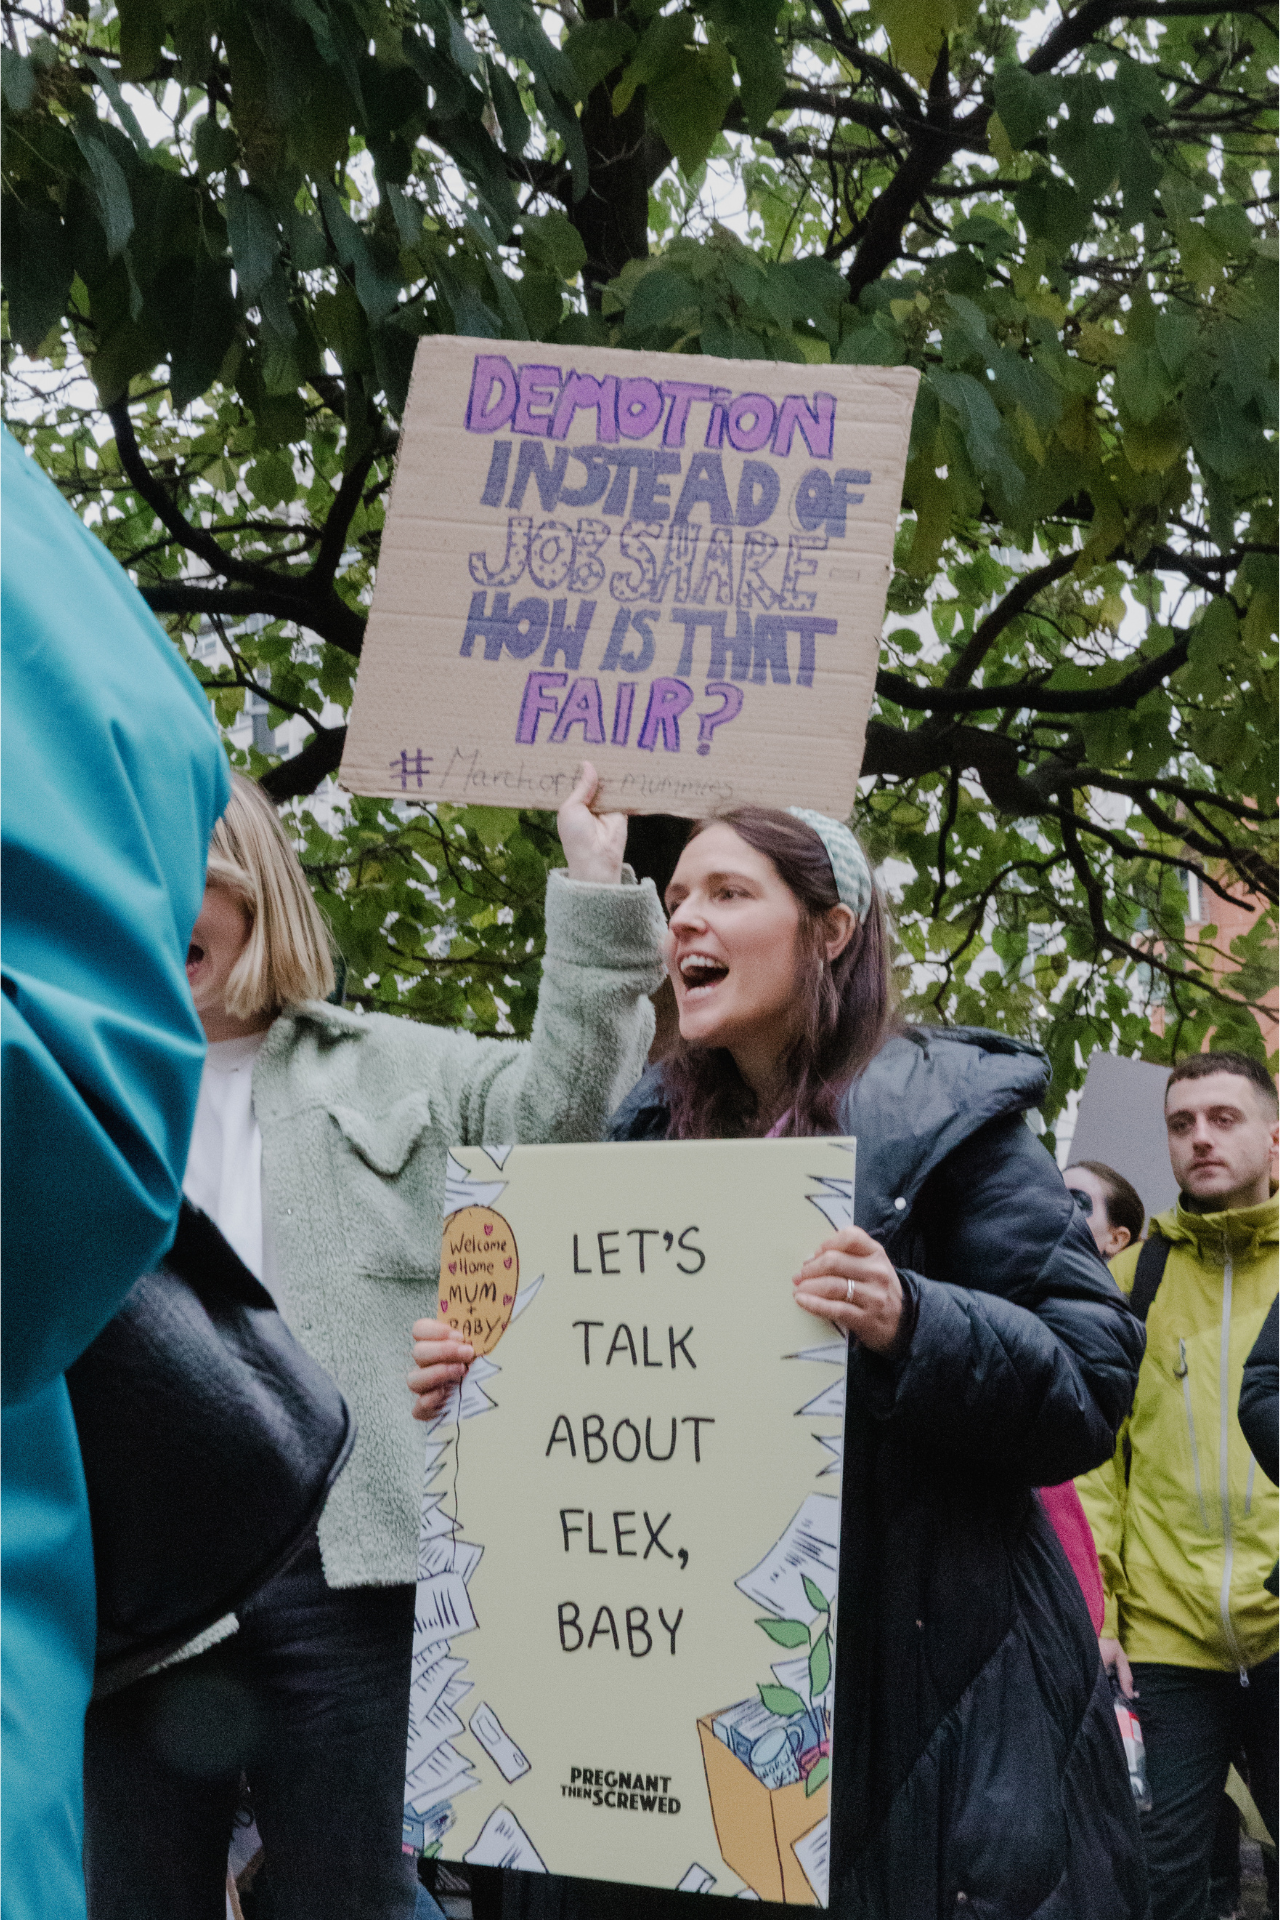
{"x": 1187, "y": 1536}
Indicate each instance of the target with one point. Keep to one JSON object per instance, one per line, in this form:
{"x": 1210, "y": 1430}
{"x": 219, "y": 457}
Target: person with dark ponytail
{"x": 978, "y": 1765}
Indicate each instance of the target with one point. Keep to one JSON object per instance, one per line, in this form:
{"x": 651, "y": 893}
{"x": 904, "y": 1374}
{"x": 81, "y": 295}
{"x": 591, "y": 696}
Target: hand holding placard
{"x": 594, "y": 843}
{"x": 441, "y": 1359}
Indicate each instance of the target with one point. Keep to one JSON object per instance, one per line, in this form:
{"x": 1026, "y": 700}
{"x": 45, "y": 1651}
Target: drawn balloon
{"x": 479, "y": 1276}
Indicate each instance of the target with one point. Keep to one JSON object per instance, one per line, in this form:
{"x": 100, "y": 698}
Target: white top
{"x": 224, "y": 1163}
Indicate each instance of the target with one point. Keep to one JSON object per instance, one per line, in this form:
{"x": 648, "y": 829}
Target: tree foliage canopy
{"x": 239, "y": 216}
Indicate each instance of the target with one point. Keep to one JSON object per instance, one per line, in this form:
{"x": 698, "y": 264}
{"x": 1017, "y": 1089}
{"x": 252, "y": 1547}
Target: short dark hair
{"x": 1197, "y": 1066}
{"x": 1124, "y": 1202}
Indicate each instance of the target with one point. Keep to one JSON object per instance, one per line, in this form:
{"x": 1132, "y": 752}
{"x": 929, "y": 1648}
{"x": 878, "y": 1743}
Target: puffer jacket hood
{"x": 1184, "y": 1523}
{"x": 928, "y": 1088}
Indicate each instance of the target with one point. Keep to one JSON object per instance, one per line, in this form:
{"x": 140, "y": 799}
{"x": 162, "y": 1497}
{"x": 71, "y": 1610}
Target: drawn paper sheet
{"x": 630, "y": 1550}
{"x": 677, "y": 566}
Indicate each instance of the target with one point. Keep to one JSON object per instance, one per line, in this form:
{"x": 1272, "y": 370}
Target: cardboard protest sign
{"x": 623, "y": 1665}
{"x": 675, "y": 567}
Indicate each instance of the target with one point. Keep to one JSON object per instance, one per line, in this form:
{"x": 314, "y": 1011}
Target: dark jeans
{"x": 1194, "y": 1723}
{"x": 310, "y": 1701}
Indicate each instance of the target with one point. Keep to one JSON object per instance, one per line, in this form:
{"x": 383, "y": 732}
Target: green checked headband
{"x": 848, "y": 862}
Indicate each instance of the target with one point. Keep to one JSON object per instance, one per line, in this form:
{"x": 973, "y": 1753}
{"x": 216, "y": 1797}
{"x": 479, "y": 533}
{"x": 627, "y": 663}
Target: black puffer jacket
{"x": 1259, "y": 1415}
{"x": 979, "y": 1770}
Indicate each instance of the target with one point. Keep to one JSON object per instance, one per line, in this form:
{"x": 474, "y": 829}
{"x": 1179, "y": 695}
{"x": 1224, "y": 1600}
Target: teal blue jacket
{"x": 113, "y": 778}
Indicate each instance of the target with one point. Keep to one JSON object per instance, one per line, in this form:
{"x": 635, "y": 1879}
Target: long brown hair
{"x": 848, "y": 1007}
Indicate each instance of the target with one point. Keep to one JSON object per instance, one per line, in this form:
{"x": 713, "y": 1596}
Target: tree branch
{"x": 326, "y": 616}
{"x": 1030, "y": 695}
{"x": 880, "y": 71}
{"x": 193, "y": 538}
{"x": 338, "y": 520}
{"x": 294, "y": 779}
{"x": 988, "y": 631}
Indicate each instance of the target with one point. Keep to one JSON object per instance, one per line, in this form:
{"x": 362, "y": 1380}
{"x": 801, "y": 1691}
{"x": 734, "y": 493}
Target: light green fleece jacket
{"x": 357, "y": 1114}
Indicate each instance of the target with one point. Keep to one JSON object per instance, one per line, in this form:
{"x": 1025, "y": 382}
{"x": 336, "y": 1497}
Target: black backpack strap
{"x": 1152, "y": 1261}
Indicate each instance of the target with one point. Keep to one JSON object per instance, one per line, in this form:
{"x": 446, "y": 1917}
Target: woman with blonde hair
{"x": 319, "y": 1151}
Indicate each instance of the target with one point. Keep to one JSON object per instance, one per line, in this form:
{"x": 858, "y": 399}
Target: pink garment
{"x": 1070, "y": 1523}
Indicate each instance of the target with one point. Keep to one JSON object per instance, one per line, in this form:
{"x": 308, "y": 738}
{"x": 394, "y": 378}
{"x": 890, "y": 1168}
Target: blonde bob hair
{"x": 288, "y": 956}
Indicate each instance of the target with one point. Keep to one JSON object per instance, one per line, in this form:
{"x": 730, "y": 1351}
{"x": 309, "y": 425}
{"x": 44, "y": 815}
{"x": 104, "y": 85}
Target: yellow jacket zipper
{"x": 1224, "y": 1481}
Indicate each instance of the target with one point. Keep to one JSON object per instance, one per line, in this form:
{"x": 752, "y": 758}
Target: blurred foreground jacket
{"x": 113, "y": 778}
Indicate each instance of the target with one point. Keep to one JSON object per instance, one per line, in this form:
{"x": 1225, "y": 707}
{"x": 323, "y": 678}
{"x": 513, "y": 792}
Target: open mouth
{"x": 195, "y": 954}
{"x": 700, "y": 972}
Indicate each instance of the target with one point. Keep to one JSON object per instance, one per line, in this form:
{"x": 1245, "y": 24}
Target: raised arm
{"x": 594, "y": 1024}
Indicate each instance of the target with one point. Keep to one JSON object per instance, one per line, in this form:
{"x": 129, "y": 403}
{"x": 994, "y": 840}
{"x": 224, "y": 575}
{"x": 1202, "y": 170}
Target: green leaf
{"x": 141, "y": 38}
{"x": 271, "y": 480}
{"x": 917, "y": 30}
{"x": 597, "y": 49}
{"x": 17, "y": 80}
{"x": 787, "y": 1633}
{"x": 255, "y": 240}
{"x": 984, "y": 432}
{"x": 509, "y": 107}
{"x": 520, "y": 33}
{"x": 37, "y": 270}
{"x": 493, "y": 824}
{"x": 215, "y": 147}
{"x": 870, "y": 347}
{"x": 128, "y": 119}
{"x": 752, "y": 30}
{"x": 110, "y": 191}
{"x": 782, "y": 1700}
{"x": 815, "y": 1596}
{"x": 660, "y": 298}
{"x": 817, "y": 1775}
{"x": 552, "y": 239}
{"x": 819, "y": 1665}
{"x": 1142, "y": 384}
{"x": 376, "y": 292}
{"x": 662, "y": 42}
{"x": 1024, "y": 101}
{"x": 1231, "y": 229}
{"x": 200, "y": 325}
{"x": 688, "y": 101}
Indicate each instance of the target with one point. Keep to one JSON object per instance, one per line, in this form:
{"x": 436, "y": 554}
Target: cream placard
{"x": 624, "y": 1658}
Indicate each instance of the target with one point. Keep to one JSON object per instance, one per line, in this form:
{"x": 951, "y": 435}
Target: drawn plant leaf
{"x": 817, "y": 1598}
{"x": 819, "y": 1666}
{"x": 782, "y": 1700}
{"x": 787, "y": 1633}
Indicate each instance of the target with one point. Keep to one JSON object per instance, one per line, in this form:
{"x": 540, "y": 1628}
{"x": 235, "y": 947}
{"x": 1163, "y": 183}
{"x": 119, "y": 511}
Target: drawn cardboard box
{"x": 757, "y": 1826}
